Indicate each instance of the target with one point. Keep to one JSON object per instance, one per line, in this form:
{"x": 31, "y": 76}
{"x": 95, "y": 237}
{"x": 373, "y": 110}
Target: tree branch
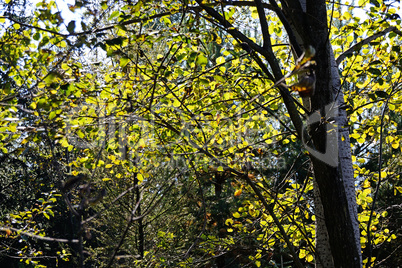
{"x": 246, "y": 4}
{"x": 269, "y": 55}
{"x": 96, "y": 30}
{"x": 288, "y": 28}
{"x": 44, "y": 238}
{"x": 357, "y": 46}
{"x": 270, "y": 209}
{"x": 264, "y": 24}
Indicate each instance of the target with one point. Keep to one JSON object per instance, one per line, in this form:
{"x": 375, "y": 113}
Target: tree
{"x": 179, "y": 109}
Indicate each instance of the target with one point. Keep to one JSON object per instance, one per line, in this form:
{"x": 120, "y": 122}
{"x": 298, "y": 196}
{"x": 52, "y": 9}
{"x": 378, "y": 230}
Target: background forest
{"x": 171, "y": 133}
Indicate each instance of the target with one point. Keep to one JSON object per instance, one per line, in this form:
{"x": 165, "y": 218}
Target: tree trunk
{"x": 335, "y": 183}
{"x": 337, "y": 233}
{"x": 338, "y": 242}
{"x": 323, "y": 254}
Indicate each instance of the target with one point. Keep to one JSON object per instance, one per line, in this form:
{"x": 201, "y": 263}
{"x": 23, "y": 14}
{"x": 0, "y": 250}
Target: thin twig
{"x": 378, "y": 184}
{"x": 44, "y": 238}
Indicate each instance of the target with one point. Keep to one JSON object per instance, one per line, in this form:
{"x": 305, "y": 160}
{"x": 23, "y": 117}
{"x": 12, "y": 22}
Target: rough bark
{"x": 324, "y": 257}
{"x": 335, "y": 184}
{"x": 345, "y": 156}
{"x": 337, "y": 240}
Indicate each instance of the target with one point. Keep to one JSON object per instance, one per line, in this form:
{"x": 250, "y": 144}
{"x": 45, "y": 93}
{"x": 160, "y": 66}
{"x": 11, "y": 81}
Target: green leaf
{"x": 375, "y": 2}
{"x": 375, "y": 62}
{"x": 202, "y": 60}
{"x": 71, "y": 26}
{"x": 104, "y": 5}
{"x": 36, "y": 36}
{"x": 50, "y": 77}
{"x": 118, "y": 41}
{"x": 381, "y": 94}
{"x": 374, "y": 71}
{"x": 52, "y": 115}
{"x": 124, "y": 61}
{"x": 114, "y": 15}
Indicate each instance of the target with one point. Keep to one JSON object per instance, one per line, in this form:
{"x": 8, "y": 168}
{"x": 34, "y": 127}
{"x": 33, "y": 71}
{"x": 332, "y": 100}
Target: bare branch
{"x": 288, "y": 28}
{"x": 264, "y": 24}
{"x": 386, "y": 258}
{"x": 246, "y": 4}
{"x": 44, "y": 238}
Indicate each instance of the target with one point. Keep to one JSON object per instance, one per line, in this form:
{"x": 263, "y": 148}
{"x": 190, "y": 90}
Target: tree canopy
{"x": 200, "y": 133}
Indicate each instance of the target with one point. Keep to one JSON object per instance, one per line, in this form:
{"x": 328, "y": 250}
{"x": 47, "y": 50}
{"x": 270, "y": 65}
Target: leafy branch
{"x": 365, "y": 41}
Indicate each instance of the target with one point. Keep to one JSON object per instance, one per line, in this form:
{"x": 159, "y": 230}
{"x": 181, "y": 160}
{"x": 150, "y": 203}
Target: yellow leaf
{"x": 254, "y": 12}
{"x": 366, "y": 184}
{"x": 238, "y": 192}
{"x": 141, "y": 143}
{"x": 236, "y": 215}
{"x": 335, "y": 14}
{"x": 52, "y": 115}
{"x": 397, "y": 188}
{"x": 302, "y": 253}
{"x": 229, "y": 222}
{"x": 220, "y": 60}
{"x": 310, "y": 258}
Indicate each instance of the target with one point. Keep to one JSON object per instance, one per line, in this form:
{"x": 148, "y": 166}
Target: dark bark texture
{"x": 312, "y": 27}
